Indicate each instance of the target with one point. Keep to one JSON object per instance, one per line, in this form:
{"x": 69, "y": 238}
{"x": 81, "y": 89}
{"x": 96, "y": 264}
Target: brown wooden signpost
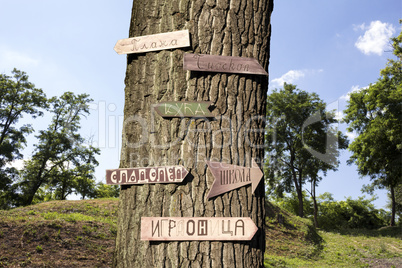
{"x": 143, "y": 175}
{"x": 184, "y": 109}
{"x": 197, "y": 228}
{"x": 229, "y": 177}
{"x": 153, "y": 42}
{"x": 222, "y": 64}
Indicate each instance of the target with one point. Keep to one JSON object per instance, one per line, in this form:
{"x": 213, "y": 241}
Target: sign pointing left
{"x": 229, "y": 177}
{"x": 144, "y": 175}
{"x": 141, "y": 44}
{"x": 184, "y": 109}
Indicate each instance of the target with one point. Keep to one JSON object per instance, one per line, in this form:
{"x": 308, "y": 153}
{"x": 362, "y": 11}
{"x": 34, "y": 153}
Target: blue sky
{"x": 327, "y": 47}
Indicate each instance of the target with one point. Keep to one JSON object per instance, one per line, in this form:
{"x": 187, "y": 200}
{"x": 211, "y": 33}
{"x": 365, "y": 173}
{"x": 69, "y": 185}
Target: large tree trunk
{"x": 236, "y": 136}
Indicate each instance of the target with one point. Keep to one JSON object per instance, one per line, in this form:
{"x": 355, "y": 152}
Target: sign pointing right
{"x": 229, "y": 177}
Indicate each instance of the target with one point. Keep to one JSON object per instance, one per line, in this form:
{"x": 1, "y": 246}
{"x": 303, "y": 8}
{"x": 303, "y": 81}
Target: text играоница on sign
{"x": 229, "y": 177}
{"x": 141, "y": 44}
{"x": 180, "y": 109}
{"x": 197, "y": 228}
{"x": 144, "y": 175}
{"x": 222, "y": 64}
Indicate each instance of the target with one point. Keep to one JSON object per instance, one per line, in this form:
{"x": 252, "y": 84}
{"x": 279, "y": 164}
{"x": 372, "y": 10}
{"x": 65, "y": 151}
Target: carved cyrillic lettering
{"x": 162, "y": 175}
{"x": 178, "y": 108}
{"x": 153, "y": 175}
{"x": 133, "y": 178}
{"x": 232, "y": 66}
{"x": 188, "y": 107}
{"x": 228, "y": 230}
{"x": 199, "y": 109}
{"x": 198, "y": 62}
{"x": 170, "y": 225}
{"x": 239, "y": 226}
{"x": 113, "y": 176}
{"x": 171, "y": 174}
{"x": 134, "y": 41}
{"x": 188, "y": 227}
{"x": 202, "y": 227}
{"x": 123, "y": 176}
{"x": 155, "y": 229}
{"x": 142, "y": 174}
{"x": 167, "y": 109}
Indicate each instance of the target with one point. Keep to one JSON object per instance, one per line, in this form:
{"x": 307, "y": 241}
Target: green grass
{"x": 82, "y": 234}
{"x": 78, "y": 233}
{"x": 294, "y": 243}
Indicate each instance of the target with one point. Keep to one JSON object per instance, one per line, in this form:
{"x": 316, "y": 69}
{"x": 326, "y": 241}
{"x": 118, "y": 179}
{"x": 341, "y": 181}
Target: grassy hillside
{"x": 59, "y": 234}
{"x": 294, "y": 242}
{"x": 82, "y": 234}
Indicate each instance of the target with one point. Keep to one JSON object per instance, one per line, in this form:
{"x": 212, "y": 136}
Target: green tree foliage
{"x": 60, "y": 156}
{"x": 300, "y": 139}
{"x": 290, "y": 202}
{"x": 18, "y": 97}
{"x": 375, "y": 114}
{"x": 359, "y": 213}
{"x": 332, "y": 214}
{"x": 107, "y": 191}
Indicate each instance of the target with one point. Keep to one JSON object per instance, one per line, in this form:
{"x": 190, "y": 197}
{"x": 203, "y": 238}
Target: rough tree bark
{"x": 236, "y": 136}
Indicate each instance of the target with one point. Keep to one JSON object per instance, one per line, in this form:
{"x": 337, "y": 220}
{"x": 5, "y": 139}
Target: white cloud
{"x": 376, "y": 38}
{"x": 18, "y": 164}
{"x": 351, "y": 135}
{"x": 293, "y": 75}
{"x": 346, "y": 97}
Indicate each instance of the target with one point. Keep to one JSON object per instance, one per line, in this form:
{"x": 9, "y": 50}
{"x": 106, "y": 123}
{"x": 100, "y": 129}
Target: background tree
{"x": 375, "y": 114}
{"x": 84, "y": 183}
{"x": 106, "y": 191}
{"x": 228, "y": 28}
{"x": 60, "y": 151}
{"x": 300, "y": 141}
{"x": 350, "y": 213}
{"x": 18, "y": 97}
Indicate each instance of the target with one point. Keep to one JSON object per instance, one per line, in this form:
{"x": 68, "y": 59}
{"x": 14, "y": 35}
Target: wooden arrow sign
{"x": 222, "y": 64}
{"x": 153, "y": 42}
{"x": 197, "y": 228}
{"x": 230, "y": 177}
{"x": 184, "y": 109}
{"x": 143, "y": 175}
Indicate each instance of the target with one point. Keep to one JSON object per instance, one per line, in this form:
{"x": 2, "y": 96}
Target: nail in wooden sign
{"x": 143, "y": 175}
{"x": 153, "y": 42}
{"x": 197, "y": 228}
{"x": 222, "y": 64}
{"x": 230, "y": 177}
{"x": 184, "y": 109}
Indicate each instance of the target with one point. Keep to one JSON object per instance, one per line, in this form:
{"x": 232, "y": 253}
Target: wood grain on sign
{"x": 222, "y": 64}
{"x": 184, "y": 109}
{"x": 197, "y": 228}
{"x": 229, "y": 177}
{"x": 153, "y": 42}
{"x": 143, "y": 175}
